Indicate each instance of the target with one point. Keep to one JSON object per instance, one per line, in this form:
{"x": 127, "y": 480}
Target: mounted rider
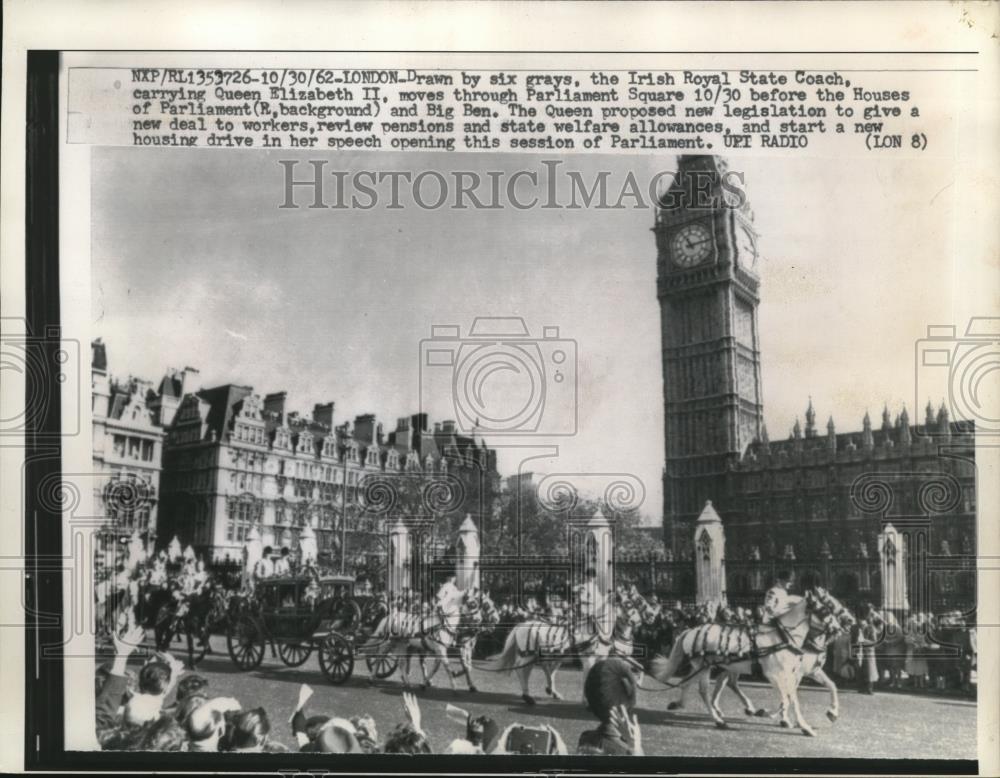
{"x": 590, "y": 604}
{"x": 777, "y": 602}
{"x": 158, "y": 572}
{"x": 448, "y": 597}
{"x": 189, "y": 585}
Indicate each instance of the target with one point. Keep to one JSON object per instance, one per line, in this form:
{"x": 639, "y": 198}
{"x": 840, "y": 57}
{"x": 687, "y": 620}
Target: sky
{"x": 194, "y": 263}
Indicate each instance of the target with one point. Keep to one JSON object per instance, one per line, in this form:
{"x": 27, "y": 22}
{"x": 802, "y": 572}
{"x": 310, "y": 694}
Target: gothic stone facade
{"x": 785, "y": 499}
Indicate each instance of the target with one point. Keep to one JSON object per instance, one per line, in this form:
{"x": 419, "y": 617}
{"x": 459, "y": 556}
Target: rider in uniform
{"x": 447, "y": 594}
{"x": 188, "y": 586}
{"x": 264, "y": 567}
{"x": 158, "y": 573}
{"x": 777, "y": 602}
{"x": 283, "y": 567}
{"x": 590, "y": 602}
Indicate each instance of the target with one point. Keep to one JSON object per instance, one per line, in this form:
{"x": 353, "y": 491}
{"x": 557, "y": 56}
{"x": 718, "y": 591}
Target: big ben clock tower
{"x": 707, "y": 285}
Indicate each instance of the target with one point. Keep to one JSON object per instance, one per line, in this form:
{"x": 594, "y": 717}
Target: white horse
{"x": 478, "y": 617}
{"x": 712, "y": 645}
{"x": 827, "y": 619}
{"x": 407, "y": 634}
{"x": 549, "y": 643}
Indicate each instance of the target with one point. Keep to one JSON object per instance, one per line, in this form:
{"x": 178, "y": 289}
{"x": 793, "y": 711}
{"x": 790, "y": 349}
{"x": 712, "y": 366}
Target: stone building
{"x": 127, "y": 453}
{"x": 800, "y": 498}
{"x": 234, "y": 461}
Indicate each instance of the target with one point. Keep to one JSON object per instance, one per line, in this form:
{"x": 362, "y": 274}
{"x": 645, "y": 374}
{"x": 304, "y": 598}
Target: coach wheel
{"x": 245, "y": 640}
{"x": 294, "y": 654}
{"x": 336, "y": 659}
{"x": 381, "y": 665}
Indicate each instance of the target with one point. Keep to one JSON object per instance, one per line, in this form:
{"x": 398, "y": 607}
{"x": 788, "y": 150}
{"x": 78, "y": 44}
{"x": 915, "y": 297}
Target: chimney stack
{"x": 188, "y": 376}
{"x": 323, "y": 413}
{"x": 365, "y": 428}
{"x": 275, "y": 403}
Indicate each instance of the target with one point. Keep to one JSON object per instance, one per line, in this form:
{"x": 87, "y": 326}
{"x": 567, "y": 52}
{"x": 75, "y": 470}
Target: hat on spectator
{"x": 337, "y": 736}
{"x": 204, "y": 725}
{"x": 190, "y": 685}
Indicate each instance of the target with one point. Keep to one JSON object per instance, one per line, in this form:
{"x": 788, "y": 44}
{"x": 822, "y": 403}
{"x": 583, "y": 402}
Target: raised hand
{"x": 628, "y": 727}
{"x": 412, "y": 709}
{"x": 128, "y": 640}
{"x": 125, "y": 643}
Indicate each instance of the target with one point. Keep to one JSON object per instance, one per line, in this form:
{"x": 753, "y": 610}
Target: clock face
{"x": 691, "y": 245}
{"x": 746, "y": 247}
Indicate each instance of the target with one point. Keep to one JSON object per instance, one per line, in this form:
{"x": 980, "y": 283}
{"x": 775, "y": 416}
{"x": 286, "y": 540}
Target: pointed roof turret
{"x": 708, "y": 515}
{"x": 943, "y": 422}
{"x": 904, "y": 428}
{"x": 797, "y": 429}
{"x": 468, "y": 525}
{"x": 929, "y": 416}
{"x": 765, "y": 441}
{"x": 886, "y": 419}
{"x": 810, "y": 420}
{"x": 598, "y": 520}
{"x": 867, "y": 438}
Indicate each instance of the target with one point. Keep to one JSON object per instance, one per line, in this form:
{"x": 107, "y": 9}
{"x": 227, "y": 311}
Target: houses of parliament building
{"x": 824, "y": 492}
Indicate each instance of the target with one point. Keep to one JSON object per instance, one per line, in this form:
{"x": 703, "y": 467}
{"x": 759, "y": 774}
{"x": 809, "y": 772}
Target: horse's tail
{"x": 507, "y": 659}
{"x": 664, "y": 668}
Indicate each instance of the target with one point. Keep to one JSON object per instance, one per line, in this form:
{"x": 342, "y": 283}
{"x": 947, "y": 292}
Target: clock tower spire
{"x": 707, "y": 285}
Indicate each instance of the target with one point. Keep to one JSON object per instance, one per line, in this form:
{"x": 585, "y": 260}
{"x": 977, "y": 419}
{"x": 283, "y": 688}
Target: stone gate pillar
{"x": 599, "y": 546}
{"x": 253, "y": 550}
{"x": 399, "y": 558}
{"x": 892, "y": 552}
{"x": 467, "y": 563}
{"x": 709, "y": 557}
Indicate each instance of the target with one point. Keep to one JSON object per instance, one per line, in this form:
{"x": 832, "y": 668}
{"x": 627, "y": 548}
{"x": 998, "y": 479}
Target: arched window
{"x": 705, "y": 545}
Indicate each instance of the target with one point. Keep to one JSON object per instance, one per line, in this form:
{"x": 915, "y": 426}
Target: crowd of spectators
{"x": 161, "y": 707}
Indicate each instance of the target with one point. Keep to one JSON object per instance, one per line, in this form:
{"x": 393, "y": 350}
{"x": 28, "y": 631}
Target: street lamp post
{"x": 343, "y": 519}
